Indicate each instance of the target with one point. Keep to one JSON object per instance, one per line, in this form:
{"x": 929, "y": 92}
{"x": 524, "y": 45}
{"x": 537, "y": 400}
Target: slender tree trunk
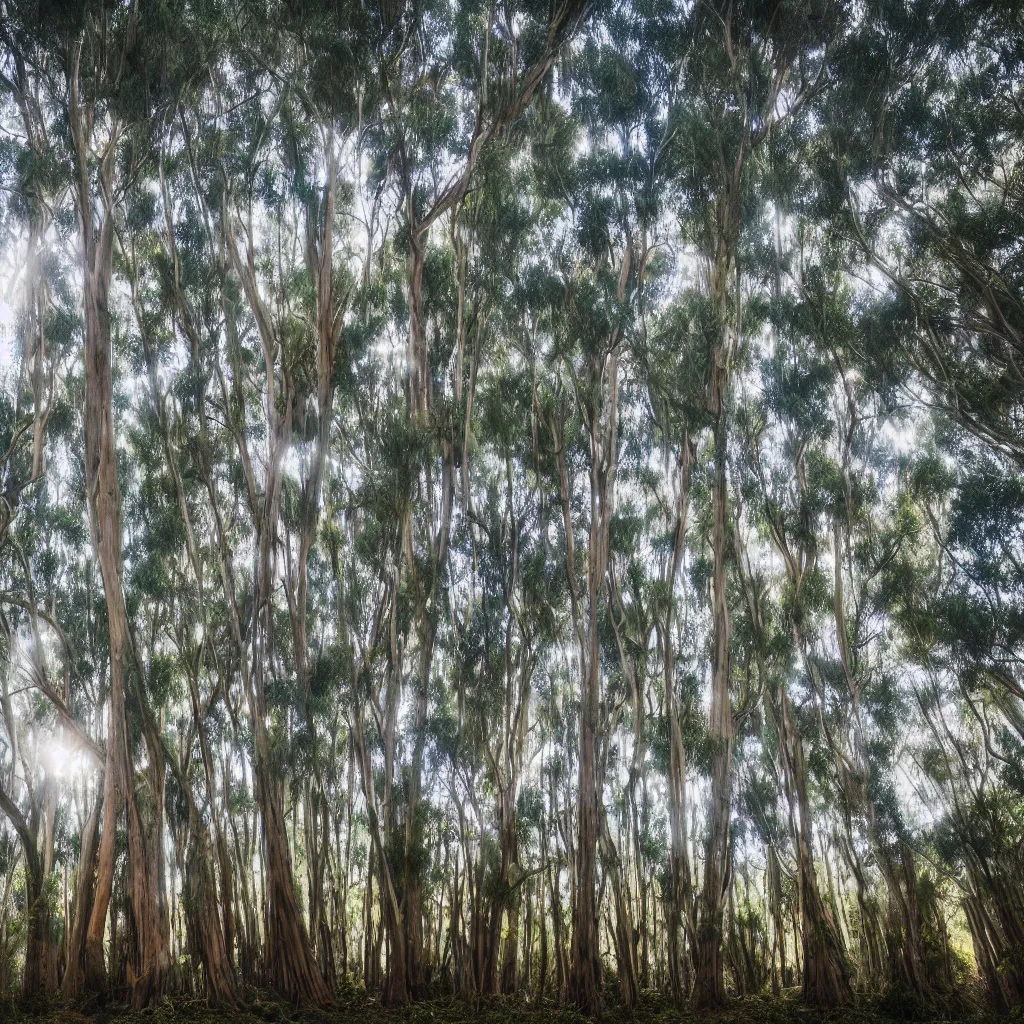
{"x": 679, "y": 908}
{"x": 291, "y": 968}
{"x": 37, "y": 912}
{"x": 74, "y": 971}
{"x": 104, "y": 504}
{"x": 826, "y": 976}
{"x": 709, "y": 982}
{"x": 585, "y": 964}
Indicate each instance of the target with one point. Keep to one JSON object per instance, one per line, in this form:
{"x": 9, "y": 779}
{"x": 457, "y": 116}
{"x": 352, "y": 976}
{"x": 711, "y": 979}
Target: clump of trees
{"x": 501, "y": 498}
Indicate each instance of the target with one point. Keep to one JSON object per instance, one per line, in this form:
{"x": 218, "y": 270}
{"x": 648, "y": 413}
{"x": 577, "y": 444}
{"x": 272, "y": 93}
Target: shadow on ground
{"x": 358, "y": 1007}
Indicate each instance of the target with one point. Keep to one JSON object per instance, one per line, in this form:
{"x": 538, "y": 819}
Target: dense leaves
{"x": 512, "y": 500}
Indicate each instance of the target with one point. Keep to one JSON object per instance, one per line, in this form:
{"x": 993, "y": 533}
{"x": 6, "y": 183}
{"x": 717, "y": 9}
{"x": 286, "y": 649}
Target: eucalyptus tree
{"x": 552, "y": 479}
{"x": 852, "y": 506}
{"x": 364, "y": 543}
{"x": 750, "y": 68}
{"x": 591, "y": 280}
{"x": 508, "y": 626}
{"x": 499, "y": 60}
{"x": 869, "y": 527}
{"x": 604, "y": 241}
{"x": 670, "y": 362}
{"x": 952, "y": 598}
{"x": 503, "y": 628}
{"x": 266, "y": 192}
{"x": 29, "y": 400}
{"x": 922, "y": 188}
{"x": 922, "y": 184}
{"x": 108, "y": 73}
{"x": 169, "y": 591}
{"x": 103, "y": 108}
{"x": 788, "y": 496}
{"x": 36, "y": 653}
{"x": 615, "y": 194}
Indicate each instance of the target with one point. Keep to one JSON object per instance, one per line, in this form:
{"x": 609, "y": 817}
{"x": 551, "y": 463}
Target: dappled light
{"x": 512, "y": 511}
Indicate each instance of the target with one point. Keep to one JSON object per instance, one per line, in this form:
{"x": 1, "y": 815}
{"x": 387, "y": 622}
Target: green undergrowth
{"x": 357, "y": 1007}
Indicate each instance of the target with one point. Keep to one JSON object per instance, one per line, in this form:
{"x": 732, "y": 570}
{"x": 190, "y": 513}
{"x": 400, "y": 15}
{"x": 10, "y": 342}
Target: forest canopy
{"x": 512, "y": 498}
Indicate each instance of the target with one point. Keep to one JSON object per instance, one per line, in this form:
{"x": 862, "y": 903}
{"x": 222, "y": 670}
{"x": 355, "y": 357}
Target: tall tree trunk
{"x": 585, "y": 964}
{"x": 206, "y": 932}
{"x": 680, "y": 905}
{"x": 103, "y": 497}
{"x": 396, "y": 991}
{"x": 826, "y": 976}
{"x": 291, "y": 968}
{"x": 826, "y": 979}
{"x": 74, "y": 970}
{"x": 709, "y": 982}
{"x": 37, "y": 911}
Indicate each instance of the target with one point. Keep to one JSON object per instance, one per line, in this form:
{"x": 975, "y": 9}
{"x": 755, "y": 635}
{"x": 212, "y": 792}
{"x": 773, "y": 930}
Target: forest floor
{"x": 755, "y": 1010}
